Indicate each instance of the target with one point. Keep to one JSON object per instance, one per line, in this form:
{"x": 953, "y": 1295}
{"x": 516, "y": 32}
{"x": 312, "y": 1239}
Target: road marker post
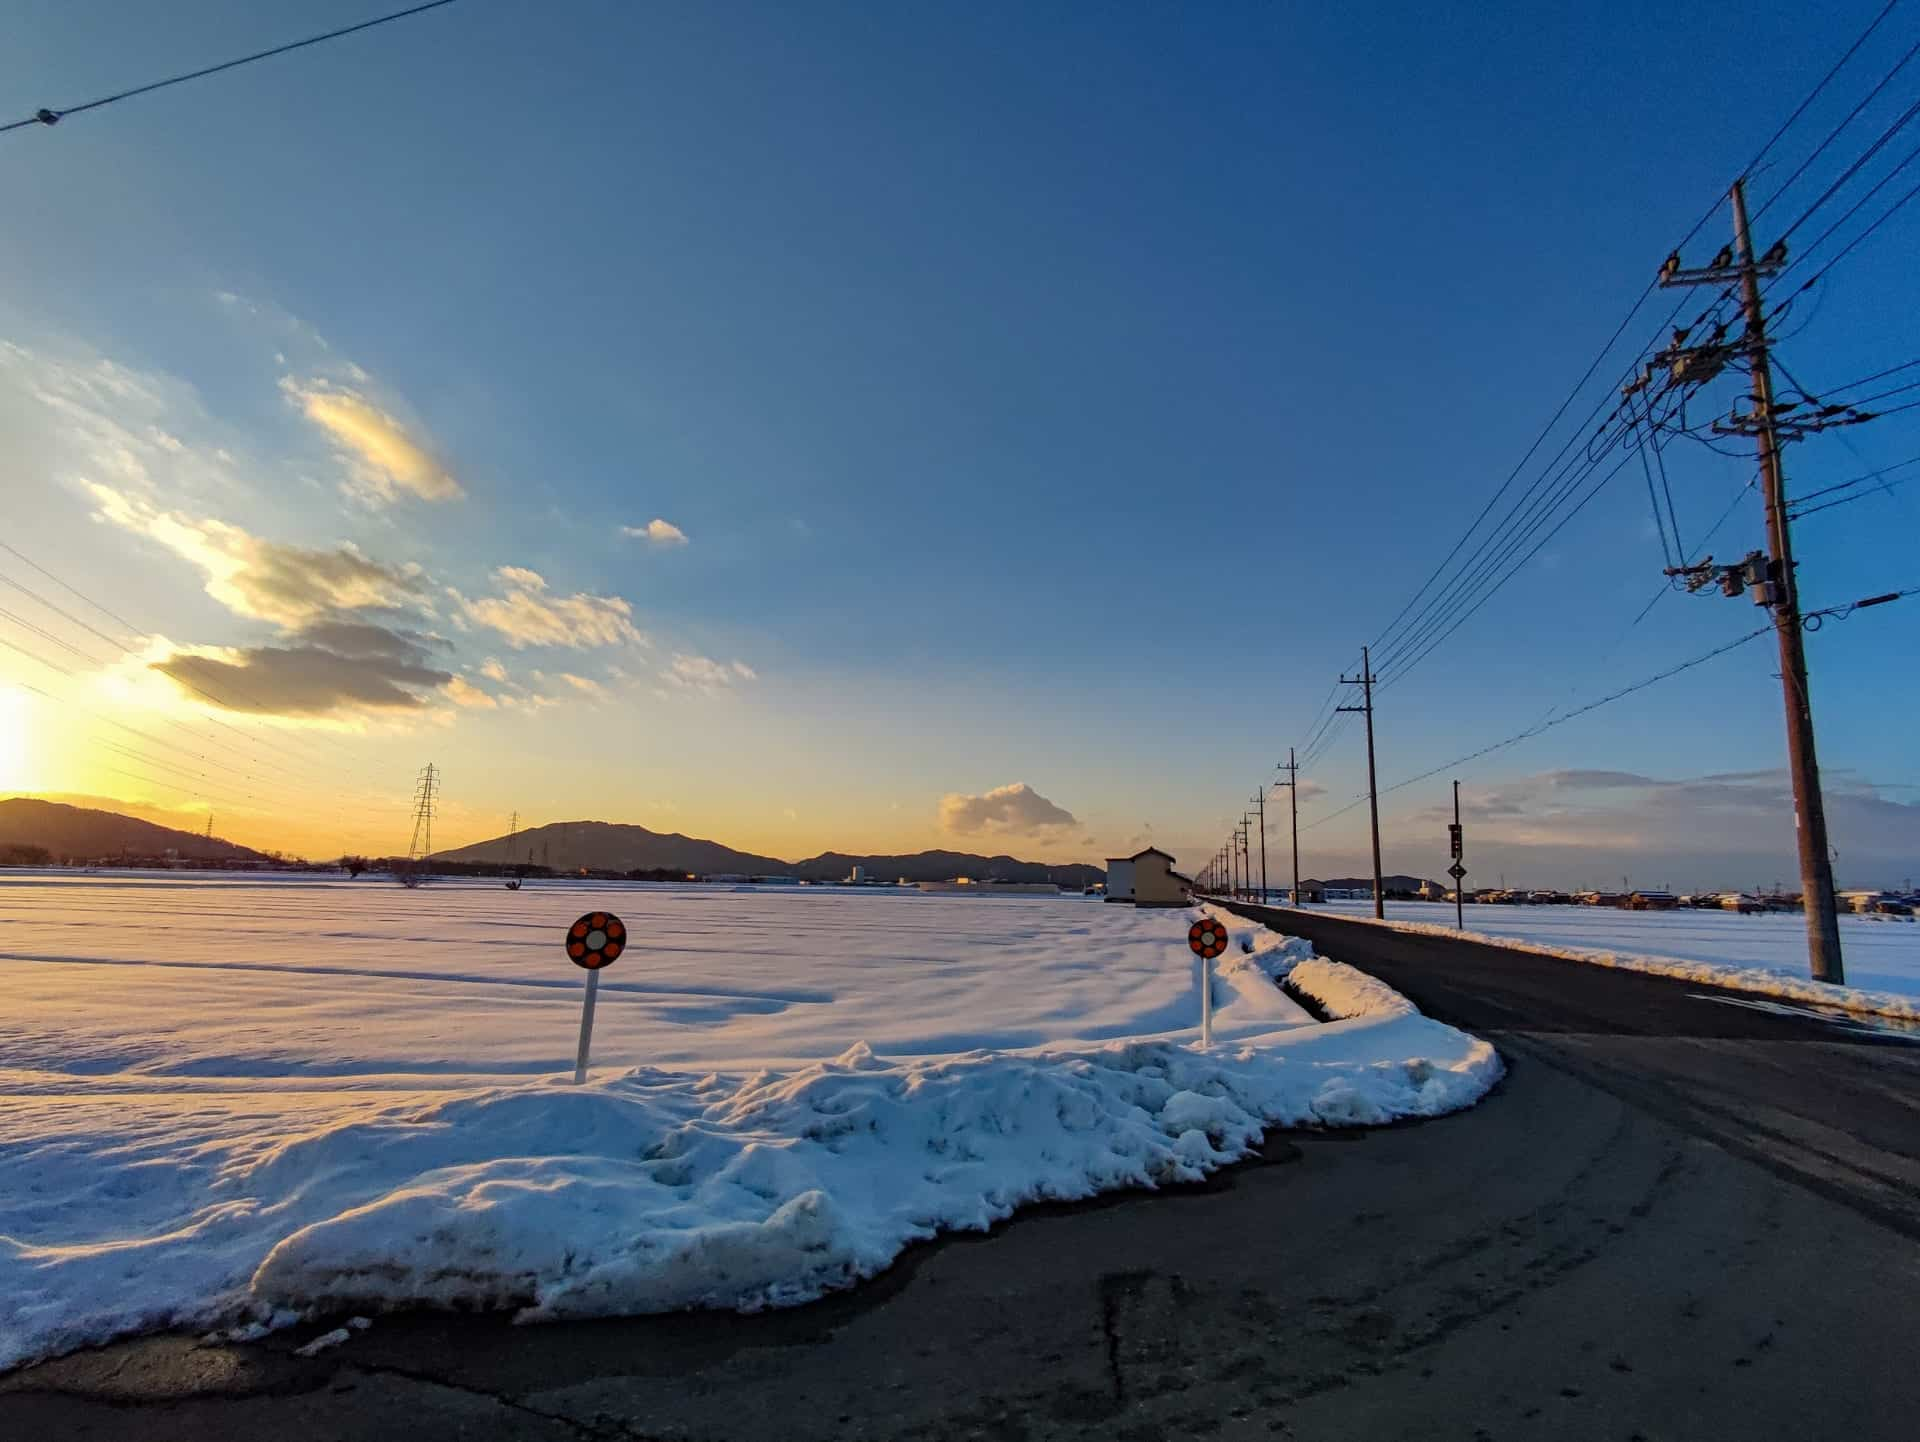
{"x": 594, "y": 941}
{"x": 1206, "y": 939}
{"x": 1458, "y": 871}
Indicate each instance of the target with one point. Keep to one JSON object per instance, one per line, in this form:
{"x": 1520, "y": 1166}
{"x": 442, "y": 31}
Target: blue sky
{"x": 1052, "y": 395}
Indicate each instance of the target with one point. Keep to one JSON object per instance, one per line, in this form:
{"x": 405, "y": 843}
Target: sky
{"x": 877, "y": 428}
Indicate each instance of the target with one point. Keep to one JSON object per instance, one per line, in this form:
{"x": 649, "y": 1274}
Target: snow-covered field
{"x": 235, "y": 1102}
{"x": 1765, "y": 954}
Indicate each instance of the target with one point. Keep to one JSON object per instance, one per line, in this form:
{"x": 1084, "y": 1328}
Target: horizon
{"x": 779, "y": 445}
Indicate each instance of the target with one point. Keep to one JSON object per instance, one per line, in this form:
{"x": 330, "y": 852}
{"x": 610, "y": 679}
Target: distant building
{"x": 1652, "y": 901}
{"x": 1155, "y": 882}
{"x": 859, "y": 875}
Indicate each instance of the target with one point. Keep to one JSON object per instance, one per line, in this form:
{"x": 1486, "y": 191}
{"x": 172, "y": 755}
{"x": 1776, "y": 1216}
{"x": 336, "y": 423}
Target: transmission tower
{"x": 421, "y": 846}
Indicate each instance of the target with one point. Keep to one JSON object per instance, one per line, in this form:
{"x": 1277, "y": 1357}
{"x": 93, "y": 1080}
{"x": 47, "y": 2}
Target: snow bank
{"x": 182, "y": 1195}
{"x": 1753, "y": 977}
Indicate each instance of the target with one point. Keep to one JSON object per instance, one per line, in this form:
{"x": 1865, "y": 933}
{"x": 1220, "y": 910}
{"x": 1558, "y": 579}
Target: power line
{"x": 1813, "y": 95}
{"x": 1383, "y": 640}
{"x": 1798, "y": 509}
{"x": 1561, "y": 720}
{"x": 116, "y": 617}
{"x": 1851, "y": 115}
{"x": 298, "y": 755}
{"x": 1906, "y": 119}
{"x": 48, "y": 116}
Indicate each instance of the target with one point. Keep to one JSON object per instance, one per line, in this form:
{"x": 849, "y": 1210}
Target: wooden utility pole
{"x": 1816, "y": 866}
{"x": 1293, "y": 801}
{"x": 1772, "y": 583}
{"x": 1365, "y": 682}
{"x": 1260, "y": 803}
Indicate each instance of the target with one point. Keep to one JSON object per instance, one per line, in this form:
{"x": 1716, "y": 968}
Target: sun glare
{"x": 13, "y": 739}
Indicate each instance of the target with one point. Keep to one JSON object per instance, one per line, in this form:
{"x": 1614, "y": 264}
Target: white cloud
{"x": 493, "y": 670}
{"x": 658, "y": 532}
{"x": 463, "y": 692}
{"x": 585, "y": 686}
{"x": 383, "y": 458}
{"x": 1014, "y": 808}
{"x": 704, "y": 674}
{"x": 526, "y": 615}
{"x": 291, "y": 586}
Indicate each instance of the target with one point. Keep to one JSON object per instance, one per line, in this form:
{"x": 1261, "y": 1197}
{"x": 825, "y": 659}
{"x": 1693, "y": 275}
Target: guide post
{"x": 1457, "y": 871}
{"x": 594, "y": 941}
{"x": 1206, "y": 938}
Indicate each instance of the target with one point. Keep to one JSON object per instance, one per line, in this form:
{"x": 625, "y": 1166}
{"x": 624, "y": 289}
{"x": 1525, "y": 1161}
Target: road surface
{"x": 1680, "y": 1217}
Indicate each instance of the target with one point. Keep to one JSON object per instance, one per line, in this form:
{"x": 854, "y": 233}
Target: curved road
{"x": 1680, "y": 1217}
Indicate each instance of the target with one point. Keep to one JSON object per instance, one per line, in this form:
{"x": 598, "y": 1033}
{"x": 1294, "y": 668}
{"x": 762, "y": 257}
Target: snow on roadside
{"x": 1755, "y": 979}
{"x": 655, "y": 1189}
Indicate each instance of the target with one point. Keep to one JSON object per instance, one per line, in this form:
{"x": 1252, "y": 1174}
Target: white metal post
{"x": 586, "y": 1028}
{"x": 1206, "y": 1003}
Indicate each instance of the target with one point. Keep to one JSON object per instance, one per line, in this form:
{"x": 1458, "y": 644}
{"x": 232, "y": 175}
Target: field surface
{"x": 236, "y": 1103}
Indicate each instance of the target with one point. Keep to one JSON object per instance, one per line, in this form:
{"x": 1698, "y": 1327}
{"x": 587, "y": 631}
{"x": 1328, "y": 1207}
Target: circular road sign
{"x": 1207, "y": 937}
{"x": 596, "y": 940}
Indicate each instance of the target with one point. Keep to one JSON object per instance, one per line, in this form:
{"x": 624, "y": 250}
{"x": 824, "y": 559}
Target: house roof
{"x": 1151, "y": 851}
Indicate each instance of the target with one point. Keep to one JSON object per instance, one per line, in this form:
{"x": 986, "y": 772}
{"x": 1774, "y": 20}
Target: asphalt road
{"x": 1680, "y": 1217}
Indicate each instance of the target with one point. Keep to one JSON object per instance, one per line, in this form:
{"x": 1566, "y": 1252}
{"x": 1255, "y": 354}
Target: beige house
{"x": 1155, "y": 882}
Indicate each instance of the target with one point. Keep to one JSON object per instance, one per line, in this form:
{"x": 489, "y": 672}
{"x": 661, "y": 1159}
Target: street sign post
{"x": 593, "y": 942}
{"x": 1207, "y": 938}
{"x": 1457, "y": 871}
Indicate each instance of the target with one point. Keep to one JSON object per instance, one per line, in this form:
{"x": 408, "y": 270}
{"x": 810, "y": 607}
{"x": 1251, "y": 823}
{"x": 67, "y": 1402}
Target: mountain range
{"x": 611, "y": 846}
{"x": 80, "y": 833}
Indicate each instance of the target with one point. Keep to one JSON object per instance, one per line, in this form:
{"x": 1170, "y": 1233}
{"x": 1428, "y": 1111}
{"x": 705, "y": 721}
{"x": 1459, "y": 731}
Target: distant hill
{"x": 942, "y": 866}
{"x": 611, "y": 846}
{"x": 80, "y": 833}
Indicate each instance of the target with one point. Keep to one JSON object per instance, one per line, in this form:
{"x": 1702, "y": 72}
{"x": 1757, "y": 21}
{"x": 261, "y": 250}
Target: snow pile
{"x": 1896, "y": 959}
{"x": 1256, "y": 957}
{"x": 1342, "y": 992}
{"x": 156, "y": 1183}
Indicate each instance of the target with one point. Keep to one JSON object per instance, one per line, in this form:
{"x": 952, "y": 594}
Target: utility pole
{"x": 1774, "y": 585}
{"x": 1365, "y": 681}
{"x": 513, "y": 830}
{"x": 1293, "y": 801}
{"x": 1260, "y": 801}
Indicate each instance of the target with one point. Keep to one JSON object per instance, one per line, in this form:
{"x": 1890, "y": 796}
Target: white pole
{"x": 1206, "y": 1003}
{"x": 586, "y": 1028}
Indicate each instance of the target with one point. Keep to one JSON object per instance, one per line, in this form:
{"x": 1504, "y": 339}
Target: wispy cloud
{"x": 463, "y": 692}
{"x": 291, "y": 586}
{"x": 703, "y": 673}
{"x": 526, "y": 614}
{"x": 657, "y": 532}
{"x": 383, "y": 458}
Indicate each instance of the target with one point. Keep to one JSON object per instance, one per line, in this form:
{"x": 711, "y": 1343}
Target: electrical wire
{"x": 49, "y": 116}
{"x": 1561, "y": 720}
{"x": 1851, "y": 115}
{"x": 1797, "y": 508}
